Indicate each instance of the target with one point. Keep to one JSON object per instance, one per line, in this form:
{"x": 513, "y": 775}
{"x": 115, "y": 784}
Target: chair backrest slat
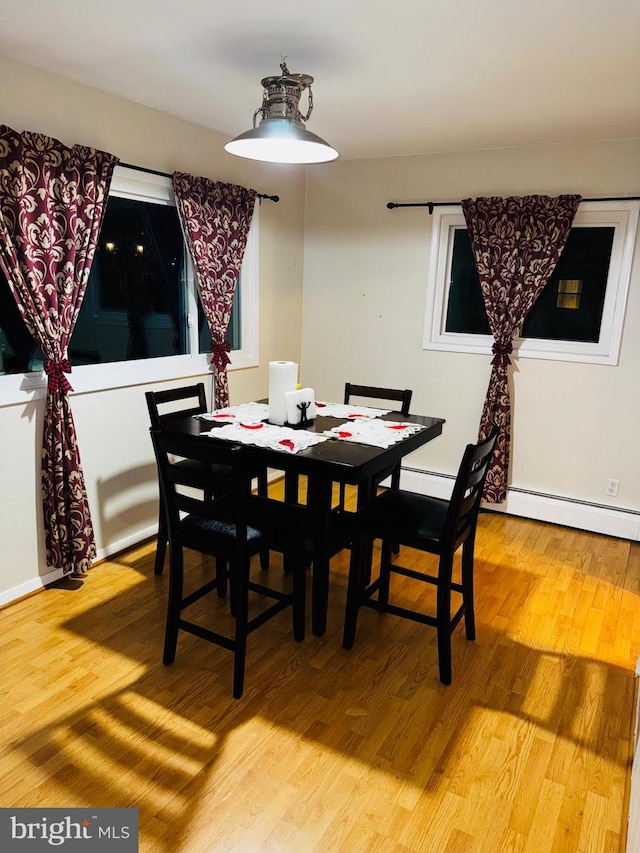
{"x": 193, "y": 397}
{"x": 395, "y": 395}
{"x": 467, "y": 491}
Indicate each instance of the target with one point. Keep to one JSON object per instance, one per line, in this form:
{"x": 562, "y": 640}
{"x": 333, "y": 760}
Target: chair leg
{"x": 342, "y": 496}
{"x": 174, "y": 605}
{"x": 354, "y": 590}
{"x": 366, "y": 493}
{"x": 395, "y": 484}
{"x": 263, "y": 484}
{"x": 222, "y": 575}
{"x": 241, "y": 617}
{"x": 161, "y": 545}
{"x": 467, "y": 588}
{"x": 299, "y": 602}
{"x": 233, "y": 590}
{"x": 443, "y": 617}
{"x": 263, "y": 491}
{"x": 385, "y": 573}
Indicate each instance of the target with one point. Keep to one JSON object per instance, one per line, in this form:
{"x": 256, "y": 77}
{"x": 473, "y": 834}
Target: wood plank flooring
{"x": 528, "y": 750}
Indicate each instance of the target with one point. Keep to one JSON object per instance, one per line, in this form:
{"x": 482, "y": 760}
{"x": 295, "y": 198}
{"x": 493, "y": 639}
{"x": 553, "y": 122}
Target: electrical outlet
{"x": 612, "y": 488}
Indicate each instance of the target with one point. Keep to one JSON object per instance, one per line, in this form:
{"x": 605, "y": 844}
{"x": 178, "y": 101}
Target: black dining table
{"x": 325, "y": 463}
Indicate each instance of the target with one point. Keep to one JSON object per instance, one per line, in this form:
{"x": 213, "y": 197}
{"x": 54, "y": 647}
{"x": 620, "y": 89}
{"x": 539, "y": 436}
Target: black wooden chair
{"x": 427, "y": 524}
{"x": 388, "y": 395}
{"x": 215, "y": 480}
{"x": 225, "y": 528}
{"x": 392, "y": 395}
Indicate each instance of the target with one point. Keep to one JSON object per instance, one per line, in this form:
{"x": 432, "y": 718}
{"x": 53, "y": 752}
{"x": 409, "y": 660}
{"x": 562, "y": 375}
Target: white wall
{"x": 574, "y": 426}
{"x": 113, "y": 425}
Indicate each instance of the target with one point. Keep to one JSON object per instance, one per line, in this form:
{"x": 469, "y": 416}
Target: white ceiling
{"x": 391, "y": 78}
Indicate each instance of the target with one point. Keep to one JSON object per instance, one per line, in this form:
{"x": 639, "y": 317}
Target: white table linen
{"x": 268, "y": 435}
{"x": 374, "y": 432}
{"x": 348, "y": 411}
{"x": 249, "y": 413}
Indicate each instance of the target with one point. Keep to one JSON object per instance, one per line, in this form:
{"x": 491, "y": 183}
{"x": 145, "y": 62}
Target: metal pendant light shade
{"x": 281, "y": 136}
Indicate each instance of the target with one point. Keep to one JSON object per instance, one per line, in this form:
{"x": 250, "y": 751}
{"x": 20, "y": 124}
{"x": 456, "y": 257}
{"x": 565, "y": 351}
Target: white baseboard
{"x": 39, "y": 582}
{"x": 22, "y": 589}
{"x": 596, "y": 518}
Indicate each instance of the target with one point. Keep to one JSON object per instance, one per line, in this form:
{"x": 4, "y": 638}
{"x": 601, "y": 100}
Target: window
{"x": 141, "y": 318}
{"x": 578, "y": 316}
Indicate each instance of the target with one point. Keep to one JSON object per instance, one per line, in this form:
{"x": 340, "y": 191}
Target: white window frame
{"x": 621, "y": 215}
{"x": 157, "y": 189}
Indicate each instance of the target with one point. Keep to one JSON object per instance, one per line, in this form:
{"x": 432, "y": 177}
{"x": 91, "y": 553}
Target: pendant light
{"x": 281, "y": 136}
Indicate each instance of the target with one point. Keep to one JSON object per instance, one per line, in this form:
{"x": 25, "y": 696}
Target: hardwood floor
{"x": 528, "y": 750}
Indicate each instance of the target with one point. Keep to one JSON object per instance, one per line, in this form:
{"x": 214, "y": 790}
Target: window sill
{"x": 588, "y": 353}
{"x": 16, "y": 388}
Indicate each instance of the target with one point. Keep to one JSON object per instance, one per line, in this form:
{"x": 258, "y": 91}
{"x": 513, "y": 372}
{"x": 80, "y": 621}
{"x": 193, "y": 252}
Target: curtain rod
{"x": 431, "y": 204}
{"x": 274, "y": 198}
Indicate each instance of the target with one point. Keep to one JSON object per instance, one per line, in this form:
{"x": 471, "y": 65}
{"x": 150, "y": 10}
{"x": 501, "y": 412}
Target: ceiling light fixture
{"x": 281, "y": 136}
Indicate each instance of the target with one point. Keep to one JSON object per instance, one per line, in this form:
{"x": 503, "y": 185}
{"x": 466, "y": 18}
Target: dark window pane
{"x": 465, "y": 310}
{"x": 17, "y": 347}
{"x": 134, "y": 304}
{"x": 585, "y": 259}
{"x": 568, "y": 309}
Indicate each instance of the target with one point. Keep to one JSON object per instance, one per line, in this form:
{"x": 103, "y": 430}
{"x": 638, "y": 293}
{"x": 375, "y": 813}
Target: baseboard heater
{"x": 555, "y": 509}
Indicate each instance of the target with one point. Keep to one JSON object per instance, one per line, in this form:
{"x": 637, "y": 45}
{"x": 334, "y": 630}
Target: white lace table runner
{"x": 268, "y": 435}
{"x": 375, "y": 432}
{"x": 249, "y": 413}
{"x": 348, "y": 411}
{"x": 255, "y": 412}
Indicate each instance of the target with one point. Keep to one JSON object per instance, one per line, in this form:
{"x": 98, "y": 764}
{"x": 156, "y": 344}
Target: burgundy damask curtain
{"x": 516, "y": 243}
{"x": 215, "y": 218}
{"x": 51, "y": 204}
